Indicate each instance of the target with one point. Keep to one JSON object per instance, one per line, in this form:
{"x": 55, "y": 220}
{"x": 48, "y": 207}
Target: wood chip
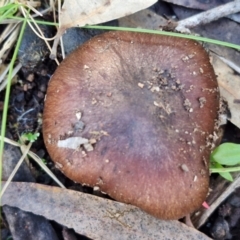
{"x": 72, "y": 142}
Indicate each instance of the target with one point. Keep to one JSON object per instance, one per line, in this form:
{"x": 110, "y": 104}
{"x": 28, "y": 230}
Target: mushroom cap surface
{"x": 134, "y": 114}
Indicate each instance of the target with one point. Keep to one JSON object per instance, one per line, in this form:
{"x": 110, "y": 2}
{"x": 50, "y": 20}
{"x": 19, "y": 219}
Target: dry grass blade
{"x": 26, "y": 150}
{"x": 3, "y": 76}
{"x": 7, "y": 31}
{"x": 11, "y": 36}
{"x": 45, "y": 168}
{"x": 33, "y": 8}
{"x": 39, "y": 32}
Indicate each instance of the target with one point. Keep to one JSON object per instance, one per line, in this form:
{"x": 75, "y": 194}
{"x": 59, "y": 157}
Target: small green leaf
{"x": 217, "y": 169}
{"x": 227, "y": 154}
{"x": 44, "y": 161}
{"x": 31, "y": 137}
{"x": 227, "y": 176}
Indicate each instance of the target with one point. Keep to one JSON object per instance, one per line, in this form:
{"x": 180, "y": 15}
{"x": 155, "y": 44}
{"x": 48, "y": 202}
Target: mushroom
{"x": 144, "y": 136}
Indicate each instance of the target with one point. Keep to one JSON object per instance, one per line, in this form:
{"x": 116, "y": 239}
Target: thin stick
{"x": 207, "y": 213}
{"x": 208, "y": 16}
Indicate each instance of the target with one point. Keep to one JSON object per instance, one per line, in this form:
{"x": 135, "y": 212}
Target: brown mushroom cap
{"x": 142, "y": 110}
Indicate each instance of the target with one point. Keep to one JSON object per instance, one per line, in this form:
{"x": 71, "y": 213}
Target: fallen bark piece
{"x": 92, "y": 216}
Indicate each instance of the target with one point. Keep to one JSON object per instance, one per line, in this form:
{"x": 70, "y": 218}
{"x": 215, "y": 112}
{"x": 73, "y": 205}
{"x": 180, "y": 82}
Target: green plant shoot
{"x": 227, "y": 154}
{"x": 31, "y": 137}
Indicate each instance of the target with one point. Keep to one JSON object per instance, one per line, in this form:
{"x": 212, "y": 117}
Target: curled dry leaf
{"x": 94, "y": 216}
{"x": 143, "y": 19}
{"x": 80, "y": 13}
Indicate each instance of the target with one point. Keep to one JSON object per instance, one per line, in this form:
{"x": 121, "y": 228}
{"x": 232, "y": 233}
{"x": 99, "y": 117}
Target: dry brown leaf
{"x": 143, "y": 19}
{"x": 92, "y": 216}
{"x": 81, "y": 12}
{"x": 229, "y": 84}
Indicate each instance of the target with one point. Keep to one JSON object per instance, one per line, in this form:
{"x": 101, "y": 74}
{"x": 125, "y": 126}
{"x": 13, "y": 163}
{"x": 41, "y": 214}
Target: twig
{"x": 230, "y": 189}
{"x": 208, "y": 16}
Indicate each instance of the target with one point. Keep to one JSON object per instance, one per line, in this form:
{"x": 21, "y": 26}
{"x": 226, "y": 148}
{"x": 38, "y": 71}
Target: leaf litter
{"x": 80, "y": 13}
